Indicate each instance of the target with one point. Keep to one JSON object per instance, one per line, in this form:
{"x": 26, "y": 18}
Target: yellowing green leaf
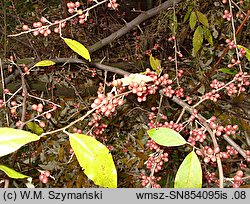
{"x": 95, "y": 159}
{"x": 78, "y": 48}
{"x": 44, "y": 63}
{"x": 247, "y": 52}
{"x": 192, "y": 20}
{"x": 202, "y": 18}
{"x": 155, "y": 63}
{"x": 208, "y": 36}
{"x": 12, "y": 173}
{"x": 197, "y": 39}
{"x": 189, "y": 174}
{"x": 166, "y": 137}
{"x": 12, "y": 139}
{"x": 35, "y": 128}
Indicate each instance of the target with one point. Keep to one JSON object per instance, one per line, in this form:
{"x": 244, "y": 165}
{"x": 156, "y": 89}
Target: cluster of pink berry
{"x": 189, "y": 99}
{"x": 193, "y": 115}
{"x": 13, "y": 108}
{"x": 238, "y": 179}
{"x": 157, "y": 160}
{"x": 179, "y": 92}
{"x": 197, "y": 134}
{"x": 242, "y": 81}
{"x": 239, "y": 15}
{"x": 105, "y": 106}
{"x": 152, "y": 124}
{"x": 112, "y": 4}
{"x": 219, "y": 129}
{"x": 74, "y": 8}
{"x": 171, "y": 38}
{"x": 212, "y": 95}
{"x": 180, "y": 73}
{"x": 208, "y": 153}
{"x": 44, "y": 176}
{"x": 233, "y": 63}
{"x": 242, "y": 52}
{"x": 42, "y": 27}
{"x": 215, "y": 84}
{"x": 231, "y": 44}
{"x": 210, "y": 177}
{"x": 151, "y": 144}
{"x": 230, "y": 152}
{"x": 150, "y": 180}
{"x": 108, "y": 104}
{"x": 140, "y": 89}
{"x": 76, "y": 130}
{"x": 227, "y": 15}
{"x": 25, "y": 69}
{"x": 92, "y": 71}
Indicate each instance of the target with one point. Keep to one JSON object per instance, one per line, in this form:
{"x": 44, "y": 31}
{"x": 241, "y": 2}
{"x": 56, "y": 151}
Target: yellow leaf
{"x": 155, "y": 63}
{"x": 44, "y": 63}
{"x": 78, "y": 48}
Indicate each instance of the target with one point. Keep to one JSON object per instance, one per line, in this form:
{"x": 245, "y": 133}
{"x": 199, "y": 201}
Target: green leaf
{"x": 95, "y": 159}
{"x": 44, "y": 63}
{"x": 208, "y": 36}
{"x": 228, "y": 71}
{"x": 247, "y": 52}
{"x": 78, "y": 48}
{"x": 190, "y": 8}
{"x": 166, "y": 137}
{"x": 155, "y": 63}
{"x": 12, "y": 139}
{"x": 189, "y": 174}
{"x": 35, "y": 128}
{"x": 202, "y": 18}
{"x": 192, "y": 20}
{"x": 197, "y": 39}
{"x": 12, "y": 173}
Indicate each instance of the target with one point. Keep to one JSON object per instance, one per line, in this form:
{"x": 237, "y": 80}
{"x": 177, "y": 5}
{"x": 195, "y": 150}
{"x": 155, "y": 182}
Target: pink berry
{"x": 34, "y": 107}
{"x": 42, "y": 124}
{"x": 48, "y": 115}
{"x": 239, "y": 173}
{"x": 45, "y": 179}
{"x": 46, "y": 173}
{"x": 25, "y": 27}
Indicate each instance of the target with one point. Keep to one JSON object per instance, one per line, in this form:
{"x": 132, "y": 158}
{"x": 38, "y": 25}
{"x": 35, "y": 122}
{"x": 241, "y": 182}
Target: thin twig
{"x": 24, "y": 94}
{"x": 3, "y": 86}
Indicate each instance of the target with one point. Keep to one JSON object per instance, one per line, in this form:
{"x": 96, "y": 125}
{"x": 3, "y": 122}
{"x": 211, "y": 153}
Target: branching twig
{"x": 206, "y": 125}
{"x": 58, "y": 22}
